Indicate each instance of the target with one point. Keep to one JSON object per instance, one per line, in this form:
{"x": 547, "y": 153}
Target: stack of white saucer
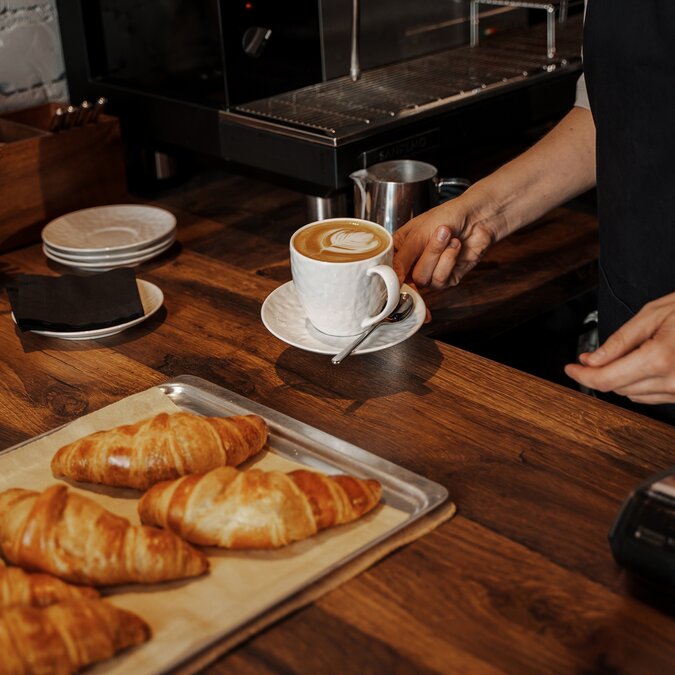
{"x": 105, "y": 237}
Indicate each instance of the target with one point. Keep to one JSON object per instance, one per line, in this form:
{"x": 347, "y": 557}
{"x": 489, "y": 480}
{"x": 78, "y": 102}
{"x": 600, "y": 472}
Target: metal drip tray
{"x": 339, "y": 111}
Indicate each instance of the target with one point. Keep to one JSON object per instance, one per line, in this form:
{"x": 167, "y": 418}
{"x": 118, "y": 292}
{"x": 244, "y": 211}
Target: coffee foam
{"x": 341, "y": 241}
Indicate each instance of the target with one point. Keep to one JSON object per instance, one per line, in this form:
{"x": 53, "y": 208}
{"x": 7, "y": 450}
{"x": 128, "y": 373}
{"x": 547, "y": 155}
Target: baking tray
{"x": 410, "y": 494}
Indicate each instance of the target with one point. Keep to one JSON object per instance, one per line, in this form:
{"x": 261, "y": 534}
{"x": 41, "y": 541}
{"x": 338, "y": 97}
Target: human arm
{"x": 441, "y": 245}
{"x": 638, "y": 360}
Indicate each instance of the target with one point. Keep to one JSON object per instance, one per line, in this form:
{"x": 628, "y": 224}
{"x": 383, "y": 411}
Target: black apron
{"x": 629, "y": 64}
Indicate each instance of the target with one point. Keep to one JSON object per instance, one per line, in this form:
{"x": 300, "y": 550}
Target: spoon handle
{"x": 339, "y": 358}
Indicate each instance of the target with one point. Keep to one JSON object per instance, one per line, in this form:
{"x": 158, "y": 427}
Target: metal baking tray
{"x": 404, "y": 490}
{"x": 408, "y": 492}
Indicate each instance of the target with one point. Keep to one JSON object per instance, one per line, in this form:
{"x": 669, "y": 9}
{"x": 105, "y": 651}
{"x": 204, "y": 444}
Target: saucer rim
{"x": 162, "y": 214}
{"x": 106, "y": 265}
{"x": 419, "y": 313}
{"x": 95, "y": 257}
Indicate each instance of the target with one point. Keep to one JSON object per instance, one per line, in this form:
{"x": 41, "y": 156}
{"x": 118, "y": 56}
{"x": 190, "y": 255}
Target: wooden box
{"x": 44, "y": 175}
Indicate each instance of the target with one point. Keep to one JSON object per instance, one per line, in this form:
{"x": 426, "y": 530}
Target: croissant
{"x": 72, "y": 537}
{"x": 159, "y": 448}
{"x": 65, "y": 637}
{"x": 256, "y": 509}
{"x": 36, "y": 590}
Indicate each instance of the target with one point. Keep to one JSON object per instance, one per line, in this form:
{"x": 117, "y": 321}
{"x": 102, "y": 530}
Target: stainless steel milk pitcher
{"x": 391, "y": 193}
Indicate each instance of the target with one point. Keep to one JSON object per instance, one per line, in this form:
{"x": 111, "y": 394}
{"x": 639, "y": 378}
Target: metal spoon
{"x": 405, "y": 306}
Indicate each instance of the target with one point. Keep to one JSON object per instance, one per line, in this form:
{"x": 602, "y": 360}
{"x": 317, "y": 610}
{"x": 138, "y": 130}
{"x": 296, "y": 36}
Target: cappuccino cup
{"x": 342, "y": 274}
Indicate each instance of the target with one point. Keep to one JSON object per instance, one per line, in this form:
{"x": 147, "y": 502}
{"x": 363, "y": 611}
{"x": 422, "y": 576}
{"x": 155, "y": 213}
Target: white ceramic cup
{"x": 345, "y": 298}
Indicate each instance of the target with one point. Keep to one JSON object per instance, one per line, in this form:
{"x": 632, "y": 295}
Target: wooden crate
{"x": 44, "y": 175}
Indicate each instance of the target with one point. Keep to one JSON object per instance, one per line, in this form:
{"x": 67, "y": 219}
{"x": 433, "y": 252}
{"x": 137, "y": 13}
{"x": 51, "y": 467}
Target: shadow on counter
{"x": 360, "y": 378}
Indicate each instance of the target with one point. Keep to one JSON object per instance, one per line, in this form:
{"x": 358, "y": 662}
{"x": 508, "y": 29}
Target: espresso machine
{"x": 308, "y": 93}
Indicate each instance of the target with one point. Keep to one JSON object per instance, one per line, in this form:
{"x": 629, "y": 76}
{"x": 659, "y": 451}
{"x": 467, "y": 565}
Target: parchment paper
{"x": 187, "y": 616}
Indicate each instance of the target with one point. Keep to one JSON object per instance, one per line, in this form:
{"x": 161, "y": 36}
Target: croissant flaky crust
{"x": 65, "y": 637}
{"x": 256, "y": 509}
{"x": 36, "y": 590}
{"x": 76, "y": 539}
{"x": 163, "y": 447}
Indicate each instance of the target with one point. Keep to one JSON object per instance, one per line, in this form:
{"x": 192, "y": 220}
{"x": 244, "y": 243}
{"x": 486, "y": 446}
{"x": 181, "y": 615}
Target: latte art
{"x": 341, "y": 241}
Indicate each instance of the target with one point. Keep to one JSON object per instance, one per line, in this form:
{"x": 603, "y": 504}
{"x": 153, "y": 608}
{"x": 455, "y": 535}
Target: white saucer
{"x": 115, "y": 256}
{"x": 104, "y": 229}
{"x": 151, "y": 299}
{"x": 103, "y": 265}
{"x": 285, "y": 318}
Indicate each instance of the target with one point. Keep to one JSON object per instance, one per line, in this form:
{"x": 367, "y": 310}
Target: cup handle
{"x": 459, "y": 184}
{"x": 393, "y": 293}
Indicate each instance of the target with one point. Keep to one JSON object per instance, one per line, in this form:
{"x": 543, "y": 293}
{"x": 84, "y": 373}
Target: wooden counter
{"x": 521, "y": 581}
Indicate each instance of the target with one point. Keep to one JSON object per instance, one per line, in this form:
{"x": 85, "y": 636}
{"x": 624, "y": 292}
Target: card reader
{"x": 642, "y": 537}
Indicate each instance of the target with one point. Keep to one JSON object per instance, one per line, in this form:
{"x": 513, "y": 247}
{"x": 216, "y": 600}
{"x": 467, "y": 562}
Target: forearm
{"x": 559, "y": 167}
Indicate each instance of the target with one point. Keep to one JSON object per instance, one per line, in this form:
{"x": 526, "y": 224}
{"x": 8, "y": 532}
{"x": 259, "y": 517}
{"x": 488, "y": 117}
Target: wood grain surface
{"x": 522, "y": 580}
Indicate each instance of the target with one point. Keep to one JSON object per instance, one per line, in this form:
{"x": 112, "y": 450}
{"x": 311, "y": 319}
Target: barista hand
{"x": 438, "y": 247}
{"x": 638, "y": 361}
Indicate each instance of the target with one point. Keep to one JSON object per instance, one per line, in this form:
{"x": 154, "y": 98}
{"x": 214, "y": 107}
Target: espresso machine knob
{"x": 254, "y": 40}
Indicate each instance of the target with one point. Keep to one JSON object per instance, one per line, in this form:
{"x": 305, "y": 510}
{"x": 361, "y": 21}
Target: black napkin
{"x": 74, "y": 303}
